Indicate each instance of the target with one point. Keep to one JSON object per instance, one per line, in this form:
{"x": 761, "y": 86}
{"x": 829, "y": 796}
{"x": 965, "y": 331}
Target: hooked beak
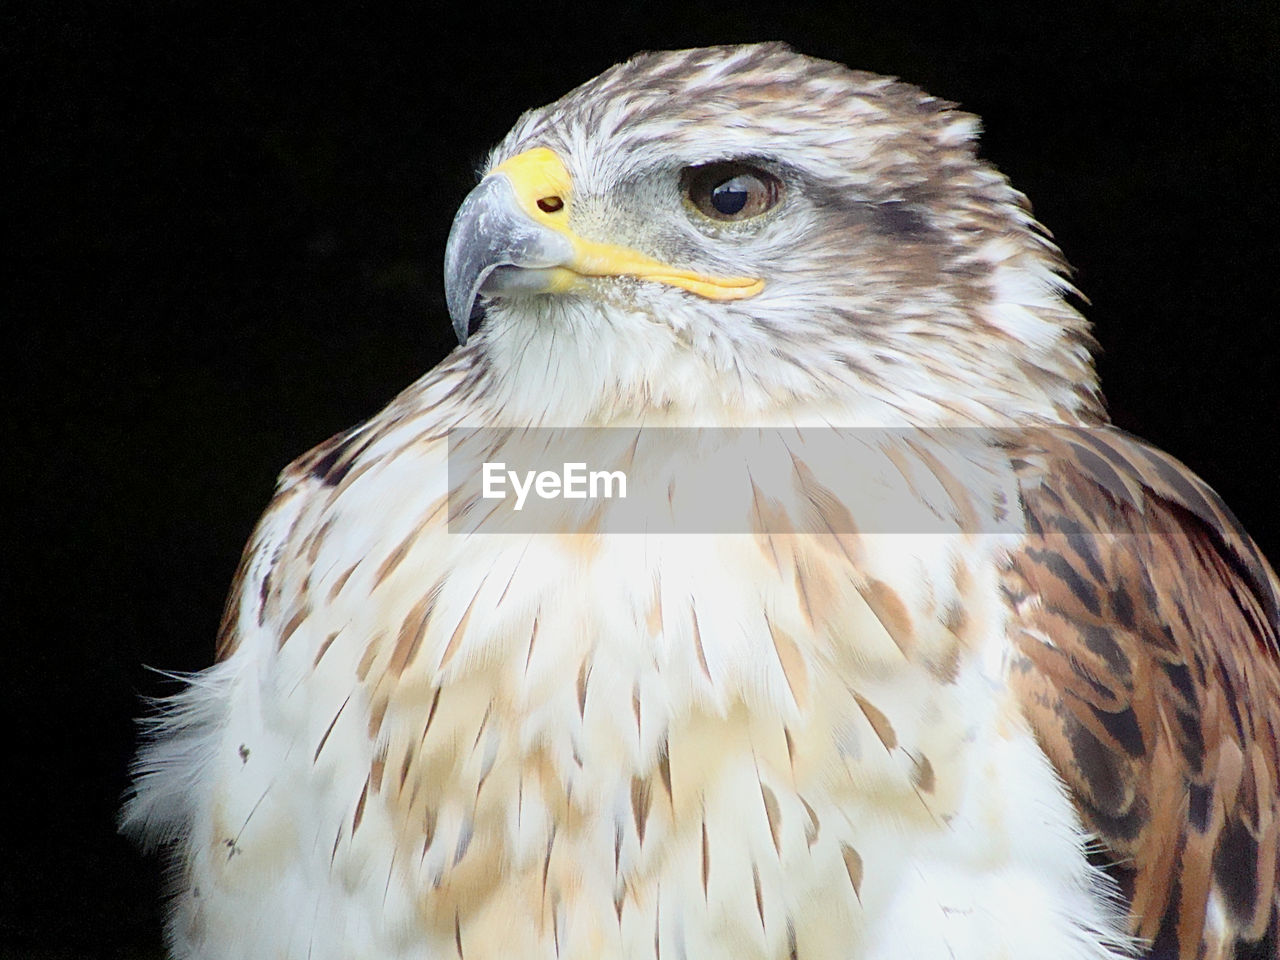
{"x": 511, "y": 237}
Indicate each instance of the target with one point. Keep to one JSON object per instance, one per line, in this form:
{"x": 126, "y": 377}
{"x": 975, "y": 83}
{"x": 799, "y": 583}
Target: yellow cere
{"x": 539, "y": 174}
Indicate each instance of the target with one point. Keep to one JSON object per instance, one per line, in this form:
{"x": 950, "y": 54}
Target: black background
{"x": 227, "y": 234}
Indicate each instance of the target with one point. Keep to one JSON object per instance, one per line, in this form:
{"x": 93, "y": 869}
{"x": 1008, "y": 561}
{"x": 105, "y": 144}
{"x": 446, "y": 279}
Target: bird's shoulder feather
{"x": 1146, "y": 625}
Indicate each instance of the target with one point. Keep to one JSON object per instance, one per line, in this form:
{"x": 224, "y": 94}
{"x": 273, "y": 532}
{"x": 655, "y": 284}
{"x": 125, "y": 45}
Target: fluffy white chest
{"x": 624, "y": 746}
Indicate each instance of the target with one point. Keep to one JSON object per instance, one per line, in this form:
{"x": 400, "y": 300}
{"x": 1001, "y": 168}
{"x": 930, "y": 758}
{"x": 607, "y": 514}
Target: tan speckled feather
{"x": 1148, "y": 622}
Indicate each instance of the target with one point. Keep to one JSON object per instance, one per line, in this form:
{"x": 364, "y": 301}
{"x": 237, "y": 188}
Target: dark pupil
{"x": 731, "y": 196}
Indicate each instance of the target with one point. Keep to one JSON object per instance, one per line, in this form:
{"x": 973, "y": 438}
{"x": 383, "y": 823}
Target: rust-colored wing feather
{"x": 1147, "y": 623}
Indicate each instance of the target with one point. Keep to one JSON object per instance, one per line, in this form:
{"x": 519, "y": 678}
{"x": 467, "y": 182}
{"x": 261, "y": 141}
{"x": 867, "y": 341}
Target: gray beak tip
{"x": 462, "y": 324}
{"x": 491, "y": 233}
{"x": 466, "y": 257}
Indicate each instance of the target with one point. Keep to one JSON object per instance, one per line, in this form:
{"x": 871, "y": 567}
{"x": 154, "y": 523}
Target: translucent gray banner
{"x": 784, "y": 480}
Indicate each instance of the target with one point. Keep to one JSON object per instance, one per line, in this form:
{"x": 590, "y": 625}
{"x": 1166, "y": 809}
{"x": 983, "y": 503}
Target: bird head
{"x": 727, "y": 233}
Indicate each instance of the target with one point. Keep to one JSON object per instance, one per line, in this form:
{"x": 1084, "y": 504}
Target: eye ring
{"x": 730, "y": 190}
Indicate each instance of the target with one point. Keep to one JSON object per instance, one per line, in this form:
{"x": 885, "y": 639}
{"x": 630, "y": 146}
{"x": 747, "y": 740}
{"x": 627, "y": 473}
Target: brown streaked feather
{"x": 813, "y": 826}
{"x": 228, "y": 638}
{"x": 879, "y": 722}
{"x": 1147, "y": 624}
{"x": 772, "y": 813}
{"x": 853, "y": 865}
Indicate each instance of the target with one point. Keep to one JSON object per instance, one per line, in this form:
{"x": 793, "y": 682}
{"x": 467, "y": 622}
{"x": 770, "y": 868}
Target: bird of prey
{"x": 1044, "y": 728}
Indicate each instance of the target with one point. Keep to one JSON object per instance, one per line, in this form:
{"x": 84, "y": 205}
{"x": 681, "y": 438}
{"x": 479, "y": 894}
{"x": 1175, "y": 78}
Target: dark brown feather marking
{"x": 311, "y": 545}
{"x": 328, "y": 730}
{"x": 892, "y": 614}
{"x": 546, "y": 860}
{"x": 792, "y": 662}
{"x": 334, "y": 458}
{"x": 584, "y": 677}
{"x": 324, "y": 648}
{"x": 853, "y": 866}
{"x": 413, "y": 630}
{"x": 359, "y": 814}
{"x": 377, "y": 714}
{"x": 341, "y": 582}
{"x": 406, "y": 764}
{"x": 429, "y": 820}
{"x": 635, "y": 708}
{"x": 773, "y": 814}
{"x": 371, "y": 648}
{"x": 664, "y": 772}
{"x": 264, "y": 597}
{"x": 431, "y": 714}
{"x": 484, "y": 723}
{"x": 533, "y": 638}
{"x": 459, "y": 631}
{"x": 1058, "y": 566}
{"x": 333, "y": 852}
{"x": 706, "y": 859}
{"x": 394, "y": 558}
{"x": 922, "y": 773}
{"x": 1235, "y": 873}
{"x": 879, "y": 722}
{"x": 641, "y": 800}
{"x": 294, "y": 623}
{"x": 812, "y": 828}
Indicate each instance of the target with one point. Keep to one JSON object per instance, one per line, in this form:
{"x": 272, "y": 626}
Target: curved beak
{"x": 491, "y": 233}
{"x": 511, "y": 237}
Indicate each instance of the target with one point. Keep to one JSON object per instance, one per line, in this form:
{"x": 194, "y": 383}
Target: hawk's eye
{"x": 730, "y": 190}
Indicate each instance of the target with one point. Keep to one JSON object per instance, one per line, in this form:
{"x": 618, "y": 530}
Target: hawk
{"x": 1044, "y": 727}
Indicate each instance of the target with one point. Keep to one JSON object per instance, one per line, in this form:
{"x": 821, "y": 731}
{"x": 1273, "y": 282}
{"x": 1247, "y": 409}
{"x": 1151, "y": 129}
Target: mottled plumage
{"x": 1149, "y": 631}
{"x": 1040, "y": 724}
